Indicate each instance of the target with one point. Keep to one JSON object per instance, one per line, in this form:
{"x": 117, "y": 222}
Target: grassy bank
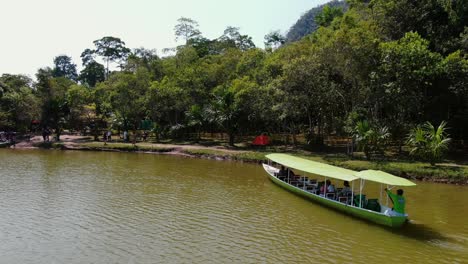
{"x": 247, "y": 156}
{"x": 445, "y": 172}
{"x": 407, "y": 169}
{"x": 48, "y": 145}
{"x": 145, "y": 147}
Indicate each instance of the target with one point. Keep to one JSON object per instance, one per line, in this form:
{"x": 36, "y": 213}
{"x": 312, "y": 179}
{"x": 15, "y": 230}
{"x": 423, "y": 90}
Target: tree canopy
{"x": 369, "y": 69}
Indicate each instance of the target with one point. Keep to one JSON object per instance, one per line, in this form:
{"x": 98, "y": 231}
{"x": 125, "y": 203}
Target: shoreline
{"x": 80, "y": 143}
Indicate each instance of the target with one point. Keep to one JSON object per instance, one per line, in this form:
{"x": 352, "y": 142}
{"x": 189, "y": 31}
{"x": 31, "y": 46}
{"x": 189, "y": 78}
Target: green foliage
{"x": 125, "y": 93}
{"x": 18, "y": 104}
{"x": 407, "y": 71}
{"x": 370, "y": 138}
{"x": 396, "y": 63}
{"x": 111, "y": 48}
{"x": 429, "y": 143}
{"x": 327, "y": 15}
{"x": 92, "y": 74}
{"x": 64, "y": 67}
{"x": 274, "y": 40}
{"x": 439, "y": 21}
{"x": 81, "y": 105}
{"x": 232, "y": 38}
{"x": 307, "y": 24}
{"x": 124, "y": 147}
{"x": 248, "y": 156}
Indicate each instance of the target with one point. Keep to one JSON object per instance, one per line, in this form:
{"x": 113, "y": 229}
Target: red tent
{"x": 261, "y": 140}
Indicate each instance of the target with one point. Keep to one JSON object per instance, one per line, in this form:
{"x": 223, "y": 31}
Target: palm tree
{"x": 370, "y": 138}
{"x": 429, "y": 143}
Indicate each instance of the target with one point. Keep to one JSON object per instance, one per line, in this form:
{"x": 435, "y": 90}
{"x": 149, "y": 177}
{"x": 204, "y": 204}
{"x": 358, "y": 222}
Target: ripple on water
{"x": 74, "y": 207}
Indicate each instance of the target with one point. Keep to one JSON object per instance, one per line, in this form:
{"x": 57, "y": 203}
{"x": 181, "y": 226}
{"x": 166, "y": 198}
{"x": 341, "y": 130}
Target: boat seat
{"x": 343, "y": 199}
{"x": 363, "y": 201}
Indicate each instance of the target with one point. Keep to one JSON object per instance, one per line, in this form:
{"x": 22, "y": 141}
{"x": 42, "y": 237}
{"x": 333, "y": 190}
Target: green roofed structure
{"x": 384, "y": 178}
{"x": 313, "y": 167}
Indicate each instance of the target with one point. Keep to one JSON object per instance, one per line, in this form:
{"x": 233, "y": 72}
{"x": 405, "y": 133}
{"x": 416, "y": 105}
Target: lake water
{"x": 93, "y": 207}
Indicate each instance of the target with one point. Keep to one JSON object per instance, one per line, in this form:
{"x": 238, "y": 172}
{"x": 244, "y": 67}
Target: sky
{"x": 33, "y": 32}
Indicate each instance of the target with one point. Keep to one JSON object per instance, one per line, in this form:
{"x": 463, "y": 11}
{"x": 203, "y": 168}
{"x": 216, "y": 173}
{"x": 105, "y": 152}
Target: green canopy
{"x": 313, "y": 167}
{"x": 383, "y": 177}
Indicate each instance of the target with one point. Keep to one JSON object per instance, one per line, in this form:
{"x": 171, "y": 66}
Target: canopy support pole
{"x": 352, "y": 193}
{"x": 386, "y": 203}
{"x": 303, "y": 179}
{"x": 360, "y": 193}
{"x": 325, "y": 188}
{"x": 381, "y": 185}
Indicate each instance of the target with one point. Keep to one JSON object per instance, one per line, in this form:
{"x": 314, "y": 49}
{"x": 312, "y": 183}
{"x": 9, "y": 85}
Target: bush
{"x": 429, "y": 143}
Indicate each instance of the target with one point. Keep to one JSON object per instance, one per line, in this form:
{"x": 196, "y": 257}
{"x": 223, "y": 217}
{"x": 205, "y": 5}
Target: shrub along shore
{"x": 445, "y": 172}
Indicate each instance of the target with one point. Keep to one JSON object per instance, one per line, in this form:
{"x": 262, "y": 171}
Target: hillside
{"x": 306, "y": 24}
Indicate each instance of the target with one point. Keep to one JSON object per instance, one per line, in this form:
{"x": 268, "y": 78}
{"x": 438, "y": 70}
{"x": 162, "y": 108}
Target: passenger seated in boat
{"x": 330, "y": 187}
{"x": 346, "y": 189}
{"x": 282, "y": 172}
{"x": 292, "y": 176}
{"x": 291, "y": 173}
{"x": 321, "y": 187}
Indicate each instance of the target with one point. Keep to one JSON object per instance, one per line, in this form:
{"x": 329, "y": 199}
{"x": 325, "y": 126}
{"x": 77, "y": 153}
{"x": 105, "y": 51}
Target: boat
{"x": 354, "y": 204}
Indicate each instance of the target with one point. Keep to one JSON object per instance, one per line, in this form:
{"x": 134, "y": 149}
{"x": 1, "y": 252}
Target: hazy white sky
{"x": 33, "y": 32}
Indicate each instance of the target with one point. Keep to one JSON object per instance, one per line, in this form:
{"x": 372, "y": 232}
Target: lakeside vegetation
{"x": 375, "y": 71}
{"x": 447, "y": 172}
{"x": 406, "y": 169}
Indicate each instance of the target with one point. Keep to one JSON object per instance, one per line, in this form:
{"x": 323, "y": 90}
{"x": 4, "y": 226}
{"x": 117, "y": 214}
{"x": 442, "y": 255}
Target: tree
{"x": 54, "y": 105}
{"x": 370, "y": 139}
{"x": 64, "y": 67}
{"x": 80, "y": 102}
{"x": 439, "y": 21}
{"x": 166, "y": 103}
{"x": 126, "y": 94}
{"x": 87, "y": 56}
{"x": 274, "y": 40}
{"x": 349, "y": 52}
{"x": 429, "y": 143}
{"x": 204, "y": 46}
{"x": 226, "y": 111}
{"x": 145, "y": 58}
{"x": 313, "y": 97}
{"x": 407, "y": 72}
{"x": 187, "y": 29}
{"x": 327, "y": 15}
{"x": 18, "y": 103}
{"x": 112, "y": 49}
{"x": 92, "y": 74}
{"x": 232, "y": 38}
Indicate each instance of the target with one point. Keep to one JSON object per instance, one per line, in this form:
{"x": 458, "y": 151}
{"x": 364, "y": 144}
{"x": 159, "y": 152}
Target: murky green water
{"x": 86, "y": 207}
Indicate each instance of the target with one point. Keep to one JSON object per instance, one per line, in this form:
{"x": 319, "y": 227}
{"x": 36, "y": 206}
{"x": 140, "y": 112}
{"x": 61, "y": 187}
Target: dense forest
{"x": 386, "y": 65}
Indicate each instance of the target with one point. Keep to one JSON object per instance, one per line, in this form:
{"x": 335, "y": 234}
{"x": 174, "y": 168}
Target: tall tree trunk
{"x": 134, "y": 135}
{"x": 57, "y": 132}
{"x": 95, "y": 132}
{"x": 231, "y": 138}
